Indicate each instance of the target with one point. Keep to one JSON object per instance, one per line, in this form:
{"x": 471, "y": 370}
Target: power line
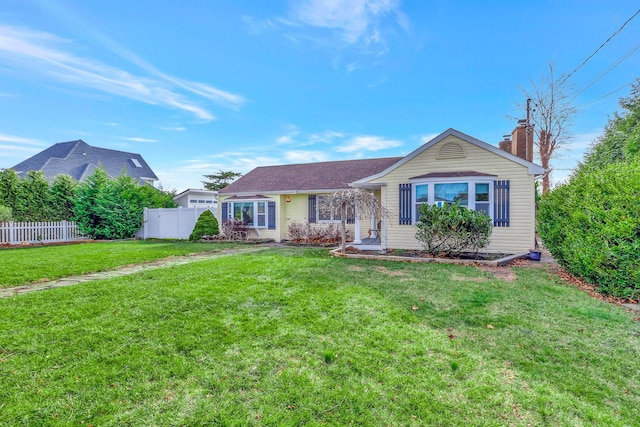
{"x": 606, "y": 70}
{"x": 602, "y": 45}
{"x": 609, "y": 94}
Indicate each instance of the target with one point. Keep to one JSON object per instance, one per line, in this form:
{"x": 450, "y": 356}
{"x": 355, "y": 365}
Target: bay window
{"x": 253, "y": 214}
{"x": 470, "y": 193}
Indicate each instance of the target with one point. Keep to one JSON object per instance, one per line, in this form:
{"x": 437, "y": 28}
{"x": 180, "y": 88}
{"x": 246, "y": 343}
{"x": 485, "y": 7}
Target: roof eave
{"x": 533, "y": 169}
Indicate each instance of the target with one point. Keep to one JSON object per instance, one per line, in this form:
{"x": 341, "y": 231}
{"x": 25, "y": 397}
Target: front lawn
{"x": 290, "y": 336}
{"x": 29, "y": 264}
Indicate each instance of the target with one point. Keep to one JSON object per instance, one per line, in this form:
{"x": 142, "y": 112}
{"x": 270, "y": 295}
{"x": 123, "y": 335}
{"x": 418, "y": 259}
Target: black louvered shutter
{"x": 225, "y": 210}
{"x": 405, "y": 204}
{"x": 501, "y": 203}
{"x": 312, "y": 208}
{"x": 271, "y": 215}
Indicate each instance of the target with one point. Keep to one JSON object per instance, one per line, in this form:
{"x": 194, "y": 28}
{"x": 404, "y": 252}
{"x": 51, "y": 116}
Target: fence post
{"x": 145, "y": 219}
{"x": 11, "y": 232}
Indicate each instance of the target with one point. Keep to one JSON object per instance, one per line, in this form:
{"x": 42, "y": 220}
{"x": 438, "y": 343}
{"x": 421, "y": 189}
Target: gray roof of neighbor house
{"x": 308, "y": 176}
{"x": 79, "y": 159}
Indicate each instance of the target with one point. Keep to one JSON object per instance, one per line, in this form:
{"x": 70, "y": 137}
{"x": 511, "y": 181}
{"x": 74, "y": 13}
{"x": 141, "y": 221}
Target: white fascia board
{"x": 532, "y": 167}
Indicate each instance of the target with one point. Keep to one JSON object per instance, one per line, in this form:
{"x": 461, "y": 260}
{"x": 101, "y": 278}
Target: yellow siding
{"x": 296, "y": 210}
{"x": 518, "y": 237}
{"x": 262, "y": 233}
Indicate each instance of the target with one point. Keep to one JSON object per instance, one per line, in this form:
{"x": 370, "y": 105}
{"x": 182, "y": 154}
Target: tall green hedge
{"x": 109, "y": 209}
{"x": 591, "y": 225}
{"x": 103, "y": 208}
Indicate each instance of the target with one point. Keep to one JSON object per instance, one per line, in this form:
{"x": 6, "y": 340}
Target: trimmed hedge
{"x": 591, "y": 225}
{"x": 206, "y": 225}
{"x": 452, "y": 229}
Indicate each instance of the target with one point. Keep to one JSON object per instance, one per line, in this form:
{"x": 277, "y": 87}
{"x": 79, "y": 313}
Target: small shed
{"x": 197, "y": 198}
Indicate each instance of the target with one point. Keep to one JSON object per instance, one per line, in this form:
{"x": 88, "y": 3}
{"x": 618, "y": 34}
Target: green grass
{"x": 290, "y": 336}
{"x": 30, "y": 264}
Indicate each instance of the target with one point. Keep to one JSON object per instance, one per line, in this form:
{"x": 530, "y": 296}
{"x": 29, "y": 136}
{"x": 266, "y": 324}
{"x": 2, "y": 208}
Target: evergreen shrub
{"x": 207, "y": 225}
{"x": 452, "y": 229}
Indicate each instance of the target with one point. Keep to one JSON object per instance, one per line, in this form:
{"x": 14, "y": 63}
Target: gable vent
{"x": 451, "y": 150}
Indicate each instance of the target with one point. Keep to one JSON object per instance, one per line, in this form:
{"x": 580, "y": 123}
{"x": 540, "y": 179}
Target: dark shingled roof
{"x": 79, "y": 159}
{"x": 308, "y": 176}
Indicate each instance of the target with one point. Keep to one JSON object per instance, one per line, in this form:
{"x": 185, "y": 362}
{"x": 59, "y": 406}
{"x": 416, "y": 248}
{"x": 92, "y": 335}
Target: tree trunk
{"x": 343, "y": 221}
{"x": 545, "y": 157}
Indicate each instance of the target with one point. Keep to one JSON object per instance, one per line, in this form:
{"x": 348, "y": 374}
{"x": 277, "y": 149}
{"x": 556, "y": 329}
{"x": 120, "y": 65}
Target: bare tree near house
{"x": 551, "y": 117}
{"x": 352, "y": 203}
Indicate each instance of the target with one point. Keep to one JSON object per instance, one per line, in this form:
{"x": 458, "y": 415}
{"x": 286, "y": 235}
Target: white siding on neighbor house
{"x": 194, "y": 198}
{"x": 169, "y": 223}
{"x": 518, "y": 237}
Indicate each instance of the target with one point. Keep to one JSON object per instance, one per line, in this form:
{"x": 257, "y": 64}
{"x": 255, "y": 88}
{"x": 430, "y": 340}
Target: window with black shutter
{"x": 501, "y": 203}
{"x": 405, "y": 204}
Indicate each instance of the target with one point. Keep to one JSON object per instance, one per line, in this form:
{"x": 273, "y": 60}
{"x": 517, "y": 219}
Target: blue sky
{"x": 196, "y": 86}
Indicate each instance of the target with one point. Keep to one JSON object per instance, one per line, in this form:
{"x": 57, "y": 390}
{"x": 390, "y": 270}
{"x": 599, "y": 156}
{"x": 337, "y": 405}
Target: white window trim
{"x": 231, "y": 210}
{"x": 471, "y": 181}
{"x": 318, "y": 204}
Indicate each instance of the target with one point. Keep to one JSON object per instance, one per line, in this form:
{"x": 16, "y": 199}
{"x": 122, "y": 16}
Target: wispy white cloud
{"x": 303, "y": 156}
{"x": 571, "y": 154}
{"x": 138, "y": 139}
{"x": 291, "y": 133}
{"x": 368, "y": 143}
{"x": 10, "y": 150}
{"x": 14, "y": 149}
{"x": 20, "y": 140}
{"x": 46, "y": 56}
{"x": 428, "y": 137}
{"x": 174, "y": 128}
{"x": 257, "y": 26}
{"x": 294, "y": 136}
{"x": 582, "y": 141}
{"x": 363, "y": 24}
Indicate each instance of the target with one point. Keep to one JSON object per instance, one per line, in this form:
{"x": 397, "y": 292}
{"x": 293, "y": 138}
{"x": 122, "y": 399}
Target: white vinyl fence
{"x": 15, "y": 233}
{"x": 170, "y": 223}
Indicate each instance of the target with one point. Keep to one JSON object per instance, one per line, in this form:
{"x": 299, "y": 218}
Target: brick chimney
{"x": 505, "y": 144}
{"x": 519, "y": 138}
{"x": 517, "y": 143}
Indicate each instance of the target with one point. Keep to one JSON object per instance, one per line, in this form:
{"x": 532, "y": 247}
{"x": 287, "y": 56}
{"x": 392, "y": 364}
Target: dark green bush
{"x": 452, "y": 229}
{"x": 108, "y": 209}
{"x": 63, "y": 197}
{"x": 591, "y": 225}
{"x": 206, "y": 225}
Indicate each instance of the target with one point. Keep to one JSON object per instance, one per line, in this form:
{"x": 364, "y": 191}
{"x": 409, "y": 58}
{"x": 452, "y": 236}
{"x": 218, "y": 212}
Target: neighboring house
{"x": 450, "y": 167}
{"x": 195, "y": 198}
{"x": 79, "y": 159}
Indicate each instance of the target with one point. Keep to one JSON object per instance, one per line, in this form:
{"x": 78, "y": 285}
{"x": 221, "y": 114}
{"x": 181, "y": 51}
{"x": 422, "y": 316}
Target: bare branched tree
{"x": 352, "y": 203}
{"x": 551, "y": 116}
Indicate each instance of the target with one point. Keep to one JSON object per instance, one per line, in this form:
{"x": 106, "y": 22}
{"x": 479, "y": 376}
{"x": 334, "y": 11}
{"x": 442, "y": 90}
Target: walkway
{"x": 123, "y": 271}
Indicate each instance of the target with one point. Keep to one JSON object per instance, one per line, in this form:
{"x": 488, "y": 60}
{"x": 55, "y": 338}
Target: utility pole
{"x": 528, "y": 129}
